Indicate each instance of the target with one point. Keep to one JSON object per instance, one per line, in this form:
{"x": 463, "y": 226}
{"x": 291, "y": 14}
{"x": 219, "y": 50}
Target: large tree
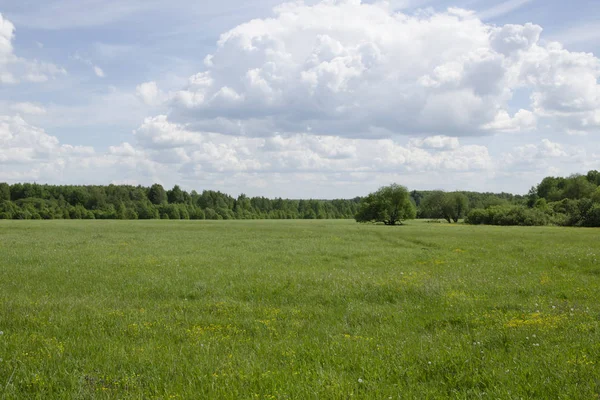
{"x": 390, "y": 205}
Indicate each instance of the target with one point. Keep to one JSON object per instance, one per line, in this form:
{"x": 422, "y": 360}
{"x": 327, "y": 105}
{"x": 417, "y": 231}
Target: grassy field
{"x": 297, "y": 310}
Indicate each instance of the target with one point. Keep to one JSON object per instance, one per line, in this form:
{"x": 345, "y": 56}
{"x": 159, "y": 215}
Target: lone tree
{"x": 390, "y": 205}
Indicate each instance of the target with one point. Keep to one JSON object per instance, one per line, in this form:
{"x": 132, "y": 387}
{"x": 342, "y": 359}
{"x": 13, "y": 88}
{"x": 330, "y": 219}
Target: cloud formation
{"x": 361, "y": 70}
{"x": 14, "y": 69}
{"x": 337, "y": 94}
{"x": 166, "y": 142}
{"x": 161, "y": 151}
{"x": 23, "y": 146}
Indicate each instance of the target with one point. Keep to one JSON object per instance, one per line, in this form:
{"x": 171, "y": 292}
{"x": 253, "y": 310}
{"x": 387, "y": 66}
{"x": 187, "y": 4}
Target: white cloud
{"x": 565, "y": 86}
{"x": 172, "y": 143}
{"x": 541, "y": 153}
{"x": 21, "y": 143}
{"x": 523, "y": 120}
{"x": 436, "y": 142}
{"x": 150, "y": 94}
{"x": 338, "y": 94}
{"x": 551, "y": 149}
{"x": 6, "y": 36}
{"x": 15, "y": 69}
{"x": 362, "y": 70}
{"x": 307, "y": 164}
{"x": 28, "y": 153}
{"x": 124, "y": 150}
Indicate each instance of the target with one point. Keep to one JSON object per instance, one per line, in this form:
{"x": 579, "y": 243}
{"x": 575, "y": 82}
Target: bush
{"x": 583, "y": 212}
{"x": 592, "y": 216}
{"x": 478, "y": 216}
{"x": 196, "y": 213}
{"x": 210, "y": 213}
{"x": 507, "y": 216}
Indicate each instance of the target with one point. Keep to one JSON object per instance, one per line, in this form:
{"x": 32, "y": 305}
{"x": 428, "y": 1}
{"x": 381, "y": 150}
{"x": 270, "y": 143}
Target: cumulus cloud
{"x": 168, "y": 142}
{"x": 283, "y": 164}
{"x": 6, "y": 35}
{"x": 150, "y": 94}
{"x": 437, "y": 142}
{"x": 363, "y": 70}
{"x": 523, "y": 120}
{"x": 540, "y": 153}
{"x": 15, "y": 69}
{"x": 336, "y": 92}
{"x": 28, "y": 153}
{"x": 22, "y": 143}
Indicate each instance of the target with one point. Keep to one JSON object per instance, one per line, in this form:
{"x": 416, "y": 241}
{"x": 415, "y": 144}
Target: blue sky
{"x": 314, "y": 99}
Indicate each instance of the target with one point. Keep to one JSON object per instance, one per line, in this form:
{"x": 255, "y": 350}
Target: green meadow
{"x": 297, "y": 310}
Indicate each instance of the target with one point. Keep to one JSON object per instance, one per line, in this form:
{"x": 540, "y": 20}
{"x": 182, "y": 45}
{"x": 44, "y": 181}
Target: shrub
{"x": 478, "y": 216}
{"x": 508, "y": 215}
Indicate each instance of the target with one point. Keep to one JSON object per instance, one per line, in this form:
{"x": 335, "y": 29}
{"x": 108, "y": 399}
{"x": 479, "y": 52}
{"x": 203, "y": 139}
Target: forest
{"x": 36, "y": 201}
{"x": 570, "y": 201}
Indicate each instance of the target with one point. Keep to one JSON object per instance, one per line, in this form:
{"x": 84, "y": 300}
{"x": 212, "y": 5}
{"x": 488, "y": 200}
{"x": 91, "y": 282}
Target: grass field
{"x": 297, "y": 310}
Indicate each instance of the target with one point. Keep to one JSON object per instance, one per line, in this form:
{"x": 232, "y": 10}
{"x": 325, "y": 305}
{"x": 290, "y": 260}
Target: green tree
{"x": 175, "y": 195}
{"x": 578, "y": 187}
{"x": 390, "y": 205}
{"x": 593, "y": 176}
{"x": 541, "y": 204}
{"x": 121, "y": 211}
{"x": 431, "y": 205}
{"x": 450, "y": 206}
{"x": 417, "y": 197}
{"x": 596, "y": 195}
{"x": 455, "y": 206}
{"x": 157, "y": 194}
{"x": 4, "y": 191}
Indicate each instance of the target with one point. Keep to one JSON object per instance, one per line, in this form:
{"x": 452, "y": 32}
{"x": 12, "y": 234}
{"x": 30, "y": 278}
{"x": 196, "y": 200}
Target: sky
{"x": 301, "y": 99}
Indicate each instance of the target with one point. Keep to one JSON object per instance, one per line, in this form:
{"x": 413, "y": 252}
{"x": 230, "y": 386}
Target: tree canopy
{"x": 35, "y": 201}
{"x": 570, "y": 201}
{"x": 390, "y": 205}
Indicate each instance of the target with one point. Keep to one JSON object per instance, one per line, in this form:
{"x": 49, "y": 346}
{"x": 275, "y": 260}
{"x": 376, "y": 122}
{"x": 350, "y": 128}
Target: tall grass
{"x": 297, "y": 310}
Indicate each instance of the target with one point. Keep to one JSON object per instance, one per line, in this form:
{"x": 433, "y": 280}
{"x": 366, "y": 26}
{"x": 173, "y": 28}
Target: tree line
{"x": 564, "y": 201}
{"x": 393, "y": 204}
{"x": 37, "y": 201}
{"x": 571, "y": 201}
